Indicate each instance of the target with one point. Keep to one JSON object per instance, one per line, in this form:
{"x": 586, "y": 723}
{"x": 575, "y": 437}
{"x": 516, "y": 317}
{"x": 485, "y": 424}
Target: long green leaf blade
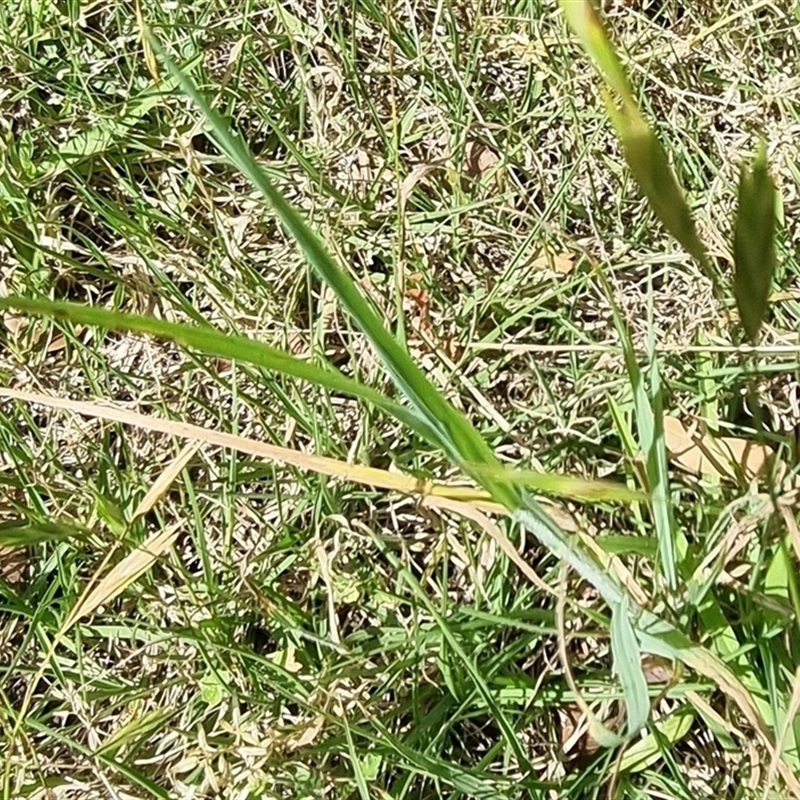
{"x": 649, "y": 425}
{"x": 580, "y": 489}
{"x": 224, "y": 345}
{"x": 628, "y": 666}
{"x": 462, "y": 443}
{"x": 17, "y": 533}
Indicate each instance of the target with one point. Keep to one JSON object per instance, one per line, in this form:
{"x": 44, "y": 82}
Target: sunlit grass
{"x": 309, "y": 636}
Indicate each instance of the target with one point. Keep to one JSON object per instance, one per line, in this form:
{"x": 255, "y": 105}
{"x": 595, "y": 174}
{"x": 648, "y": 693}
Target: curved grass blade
{"x": 754, "y": 243}
{"x": 453, "y": 433}
{"x": 224, "y": 345}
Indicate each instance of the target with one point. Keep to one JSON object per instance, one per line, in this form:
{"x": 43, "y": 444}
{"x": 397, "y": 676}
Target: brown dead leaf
{"x": 479, "y": 160}
{"x": 13, "y": 322}
{"x": 451, "y": 347}
{"x": 418, "y": 173}
{"x": 657, "y": 669}
{"x": 422, "y": 306}
{"x": 721, "y": 457}
{"x": 14, "y": 562}
{"x": 56, "y": 344}
{"x": 133, "y": 566}
{"x": 16, "y": 324}
{"x": 562, "y": 263}
{"x": 573, "y": 729}
{"x": 577, "y": 742}
{"x": 307, "y": 735}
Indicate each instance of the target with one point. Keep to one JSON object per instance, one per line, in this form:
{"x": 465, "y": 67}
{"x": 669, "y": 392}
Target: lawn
{"x": 222, "y": 579}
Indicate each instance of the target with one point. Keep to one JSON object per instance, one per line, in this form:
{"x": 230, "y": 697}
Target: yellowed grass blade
{"x": 123, "y": 574}
{"x": 143, "y": 557}
{"x": 149, "y": 56}
{"x": 322, "y": 465}
{"x": 165, "y": 480}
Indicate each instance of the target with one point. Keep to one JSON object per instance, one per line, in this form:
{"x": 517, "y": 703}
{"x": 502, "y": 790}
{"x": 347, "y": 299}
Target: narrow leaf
{"x": 628, "y": 666}
{"x": 133, "y": 566}
{"x": 647, "y": 751}
{"x": 357, "y": 473}
{"x": 213, "y": 342}
{"x": 24, "y": 534}
{"x": 165, "y": 480}
{"x": 754, "y": 243}
{"x": 452, "y": 431}
{"x": 655, "y": 472}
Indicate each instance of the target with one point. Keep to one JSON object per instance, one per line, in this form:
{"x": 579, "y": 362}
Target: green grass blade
{"x": 672, "y": 543}
{"x": 649, "y": 424}
{"x": 224, "y": 345}
{"x": 628, "y": 666}
{"x": 671, "y": 730}
{"x": 16, "y": 533}
{"x": 754, "y": 243}
{"x": 531, "y": 517}
{"x": 462, "y": 443}
{"x": 358, "y": 773}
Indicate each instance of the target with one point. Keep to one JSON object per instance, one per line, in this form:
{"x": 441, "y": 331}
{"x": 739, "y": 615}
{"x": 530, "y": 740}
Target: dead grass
{"x": 275, "y": 651}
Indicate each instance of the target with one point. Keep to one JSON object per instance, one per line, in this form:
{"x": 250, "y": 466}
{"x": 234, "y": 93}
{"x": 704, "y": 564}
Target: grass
{"x": 307, "y": 636}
